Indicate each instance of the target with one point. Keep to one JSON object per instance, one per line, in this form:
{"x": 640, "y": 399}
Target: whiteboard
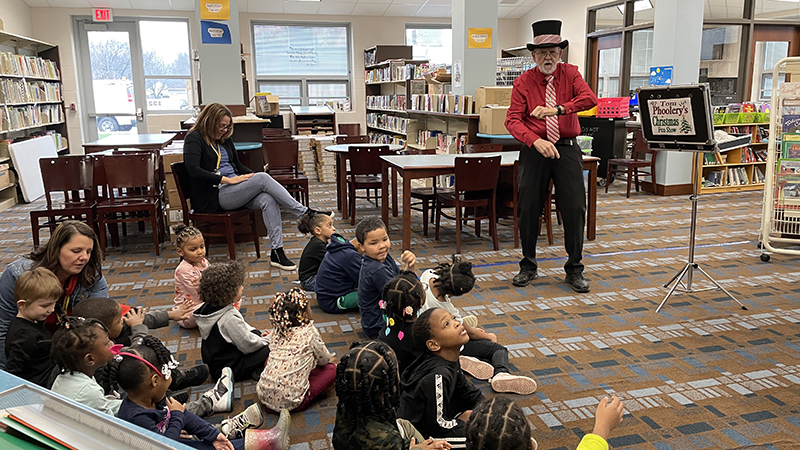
{"x": 25, "y": 155}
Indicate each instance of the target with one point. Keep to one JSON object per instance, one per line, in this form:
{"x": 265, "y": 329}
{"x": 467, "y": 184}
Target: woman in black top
{"x": 220, "y": 182}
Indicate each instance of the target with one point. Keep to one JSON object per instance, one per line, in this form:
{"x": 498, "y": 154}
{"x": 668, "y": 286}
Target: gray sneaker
{"x": 252, "y": 417}
{"x": 222, "y": 394}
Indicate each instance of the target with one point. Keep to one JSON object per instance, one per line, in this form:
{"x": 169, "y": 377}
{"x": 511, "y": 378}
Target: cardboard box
{"x": 267, "y": 104}
{"x": 169, "y": 157}
{"x": 5, "y": 179}
{"x": 174, "y": 215}
{"x": 493, "y": 120}
{"x": 170, "y": 183}
{"x": 493, "y": 95}
{"x": 173, "y": 199}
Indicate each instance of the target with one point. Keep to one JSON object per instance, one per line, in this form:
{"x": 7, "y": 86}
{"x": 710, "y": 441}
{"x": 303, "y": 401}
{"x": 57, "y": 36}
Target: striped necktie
{"x": 550, "y": 101}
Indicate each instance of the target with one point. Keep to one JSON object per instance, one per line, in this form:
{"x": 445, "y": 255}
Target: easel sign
{"x": 677, "y": 118}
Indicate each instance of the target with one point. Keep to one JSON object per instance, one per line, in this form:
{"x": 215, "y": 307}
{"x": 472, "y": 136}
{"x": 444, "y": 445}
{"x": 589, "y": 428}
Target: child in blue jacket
{"x": 337, "y": 277}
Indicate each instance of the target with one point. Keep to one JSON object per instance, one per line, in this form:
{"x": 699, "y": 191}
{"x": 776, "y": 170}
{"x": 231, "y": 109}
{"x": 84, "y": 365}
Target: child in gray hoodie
{"x": 228, "y": 341}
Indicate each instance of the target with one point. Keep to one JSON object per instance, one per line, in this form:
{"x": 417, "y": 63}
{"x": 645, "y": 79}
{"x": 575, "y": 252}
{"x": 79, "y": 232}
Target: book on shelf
{"x": 788, "y": 166}
{"x": 790, "y": 146}
{"x": 788, "y": 187}
{"x": 711, "y": 159}
{"x": 791, "y": 123}
{"x": 758, "y": 175}
{"x": 30, "y": 66}
{"x": 713, "y": 178}
{"x": 392, "y": 102}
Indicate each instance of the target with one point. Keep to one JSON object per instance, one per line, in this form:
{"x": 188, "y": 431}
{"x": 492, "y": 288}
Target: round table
{"x": 342, "y": 148}
{"x": 239, "y": 146}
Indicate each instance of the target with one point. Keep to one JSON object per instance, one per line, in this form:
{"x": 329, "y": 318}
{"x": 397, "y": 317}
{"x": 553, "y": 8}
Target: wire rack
{"x": 508, "y": 69}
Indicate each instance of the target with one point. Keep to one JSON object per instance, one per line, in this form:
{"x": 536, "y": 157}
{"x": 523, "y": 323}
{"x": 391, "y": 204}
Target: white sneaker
{"x": 222, "y": 394}
{"x": 475, "y": 367}
{"x": 233, "y": 428}
{"x": 516, "y": 384}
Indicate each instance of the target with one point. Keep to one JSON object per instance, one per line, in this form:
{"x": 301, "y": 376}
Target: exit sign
{"x": 102, "y": 15}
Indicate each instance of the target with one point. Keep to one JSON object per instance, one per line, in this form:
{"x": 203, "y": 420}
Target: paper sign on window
{"x": 215, "y": 9}
{"x": 479, "y": 37}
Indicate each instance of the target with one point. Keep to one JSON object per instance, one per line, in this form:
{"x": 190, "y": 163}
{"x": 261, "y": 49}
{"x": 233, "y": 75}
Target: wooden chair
{"x": 365, "y": 172}
{"x": 508, "y": 198}
{"x": 483, "y": 148}
{"x": 354, "y": 139}
{"x": 73, "y": 178}
{"x": 633, "y": 167}
{"x": 475, "y": 187}
{"x": 350, "y": 129}
{"x": 179, "y": 134}
{"x": 137, "y": 176}
{"x": 425, "y": 195}
{"x": 209, "y": 222}
{"x": 283, "y": 165}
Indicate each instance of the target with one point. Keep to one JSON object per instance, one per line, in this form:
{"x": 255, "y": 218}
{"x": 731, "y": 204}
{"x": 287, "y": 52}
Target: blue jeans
{"x": 310, "y": 283}
{"x": 262, "y": 192}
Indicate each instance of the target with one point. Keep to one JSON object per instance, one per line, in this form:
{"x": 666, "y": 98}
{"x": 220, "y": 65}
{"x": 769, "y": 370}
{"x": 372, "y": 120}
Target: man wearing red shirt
{"x": 542, "y": 116}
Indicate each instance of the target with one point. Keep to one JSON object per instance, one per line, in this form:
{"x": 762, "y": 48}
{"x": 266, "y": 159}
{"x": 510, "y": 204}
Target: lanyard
{"x": 218, "y": 151}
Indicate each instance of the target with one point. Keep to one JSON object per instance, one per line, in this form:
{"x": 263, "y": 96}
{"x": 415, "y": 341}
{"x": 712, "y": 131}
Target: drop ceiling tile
{"x": 151, "y": 4}
{"x": 439, "y": 2}
{"x": 532, "y": 3}
{"x": 37, "y": 3}
{"x": 376, "y": 1}
{"x": 434, "y": 11}
{"x": 509, "y": 2}
{"x": 69, "y": 3}
{"x": 519, "y": 12}
{"x": 182, "y": 5}
{"x": 336, "y": 8}
{"x": 403, "y": 10}
{"x": 301, "y": 7}
{"x": 409, "y": 2}
{"x": 266, "y": 6}
{"x": 370, "y": 9}
{"x": 504, "y": 11}
{"x": 121, "y": 4}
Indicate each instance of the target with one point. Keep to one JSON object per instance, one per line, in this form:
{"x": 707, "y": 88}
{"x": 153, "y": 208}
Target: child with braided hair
{"x": 499, "y": 423}
{"x": 80, "y": 347}
{"x": 320, "y": 227}
{"x": 191, "y": 248}
{"x": 145, "y": 372}
{"x": 482, "y": 357}
{"x": 402, "y": 299}
{"x": 299, "y": 367}
{"x": 367, "y": 385}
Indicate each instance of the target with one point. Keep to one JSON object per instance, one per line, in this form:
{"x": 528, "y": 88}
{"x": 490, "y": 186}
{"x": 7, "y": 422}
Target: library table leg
{"x": 385, "y": 192}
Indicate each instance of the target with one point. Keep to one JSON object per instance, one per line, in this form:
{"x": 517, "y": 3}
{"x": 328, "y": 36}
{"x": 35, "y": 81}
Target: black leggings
{"x": 491, "y": 352}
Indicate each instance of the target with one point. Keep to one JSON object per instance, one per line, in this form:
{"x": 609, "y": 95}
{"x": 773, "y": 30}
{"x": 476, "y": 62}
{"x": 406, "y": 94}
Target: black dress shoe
{"x": 314, "y": 212}
{"x": 524, "y": 278}
{"x": 181, "y": 397}
{"x": 183, "y": 379}
{"x": 577, "y": 282}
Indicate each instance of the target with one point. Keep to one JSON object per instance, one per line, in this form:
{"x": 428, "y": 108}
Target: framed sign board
{"x": 677, "y": 118}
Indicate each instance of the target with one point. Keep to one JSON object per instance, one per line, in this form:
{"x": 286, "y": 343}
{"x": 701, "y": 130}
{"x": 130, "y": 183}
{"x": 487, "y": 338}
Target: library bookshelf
{"x": 31, "y": 100}
{"x": 741, "y": 169}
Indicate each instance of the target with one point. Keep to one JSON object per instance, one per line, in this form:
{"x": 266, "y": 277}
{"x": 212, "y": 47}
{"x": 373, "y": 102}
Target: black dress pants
{"x": 535, "y": 173}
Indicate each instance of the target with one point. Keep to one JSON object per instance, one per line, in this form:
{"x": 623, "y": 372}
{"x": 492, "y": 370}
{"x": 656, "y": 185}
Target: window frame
{"x": 427, "y": 26}
{"x": 304, "y": 80}
{"x": 191, "y": 77}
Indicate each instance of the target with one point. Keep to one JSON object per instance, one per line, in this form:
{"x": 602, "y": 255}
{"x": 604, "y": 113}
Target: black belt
{"x": 565, "y": 141}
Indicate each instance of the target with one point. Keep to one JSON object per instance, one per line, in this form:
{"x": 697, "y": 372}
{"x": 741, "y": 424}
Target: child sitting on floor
{"x": 228, "y": 341}
{"x": 337, "y": 277}
{"x": 402, "y": 298}
{"x": 498, "y": 423}
{"x": 109, "y": 313}
{"x": 191, "y": 248}
{"x": 299, "y": 367}
{"x": 320, "y": 226}
{"x": 436, "y": 396}
{"x": 366, "y": 415}
{"x": 145, "y": 374}
{"x": 457, "y": 279}
{"x": 28, "y": 342}
{"x": 377, "y": 268}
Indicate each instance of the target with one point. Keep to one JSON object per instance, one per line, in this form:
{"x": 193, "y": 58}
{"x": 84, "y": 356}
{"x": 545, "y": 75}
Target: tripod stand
{"x": 691, "y": 266}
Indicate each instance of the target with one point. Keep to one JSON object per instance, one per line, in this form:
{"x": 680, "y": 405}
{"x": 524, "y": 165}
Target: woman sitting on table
{"x": 220, "y": 182}
{"x": 73, "y": 254}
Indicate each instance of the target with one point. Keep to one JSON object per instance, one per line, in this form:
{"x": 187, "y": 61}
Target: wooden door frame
{"x": 770, "y": 33}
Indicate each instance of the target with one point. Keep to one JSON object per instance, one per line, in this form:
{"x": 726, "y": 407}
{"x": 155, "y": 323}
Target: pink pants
{"x": 319, "y": 380}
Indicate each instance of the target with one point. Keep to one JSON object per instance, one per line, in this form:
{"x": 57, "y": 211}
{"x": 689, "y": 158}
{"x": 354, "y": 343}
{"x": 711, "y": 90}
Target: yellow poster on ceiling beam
{"x": 215, "y": 10}
{"x": 479, "y": 37}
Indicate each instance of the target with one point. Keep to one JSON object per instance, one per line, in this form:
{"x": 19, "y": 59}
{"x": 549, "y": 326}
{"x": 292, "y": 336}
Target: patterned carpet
{"x": 701, "y": 374}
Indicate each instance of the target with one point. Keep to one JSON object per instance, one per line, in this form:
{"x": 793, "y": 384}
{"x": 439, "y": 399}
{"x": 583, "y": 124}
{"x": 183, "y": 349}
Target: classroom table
{"x": 427, "y": 166}
{"x": 138, "y": 141}
{"x": 341, "y": 175}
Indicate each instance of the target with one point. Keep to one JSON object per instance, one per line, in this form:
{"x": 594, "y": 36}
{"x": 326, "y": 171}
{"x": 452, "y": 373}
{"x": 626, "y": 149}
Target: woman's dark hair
{"x": 454, "y": 279}
{"x": 402, "y": 292}
{"x": 74, "y": 338}
{"x": 498, "y": 422}
{"x": 367, "y": 384}
{"x": 183, "y": 233}
{"x": 307, "y": 222}
{"x": 130, "y": 372}
{"x": 288, "y": 311}
{"x": 220, "y": 283}
{"x": 47, "y": 256}
{"x": 207, "y": 122}
{"x": 421, "y": 330}
{"x": 103, "y": 309}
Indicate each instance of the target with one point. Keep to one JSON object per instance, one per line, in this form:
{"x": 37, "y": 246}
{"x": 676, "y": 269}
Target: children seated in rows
{"x": 299, "y": 367}
{"x": 228, "y": 340}
{"x": 377, "y": 268}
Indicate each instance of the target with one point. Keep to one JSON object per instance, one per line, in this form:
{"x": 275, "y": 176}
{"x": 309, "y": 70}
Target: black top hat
{"x": 547, "y": 33}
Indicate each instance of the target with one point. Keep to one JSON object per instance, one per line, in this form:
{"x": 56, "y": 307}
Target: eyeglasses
{"x": 550, "y": 53}
{"x": 225, "y": 127}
